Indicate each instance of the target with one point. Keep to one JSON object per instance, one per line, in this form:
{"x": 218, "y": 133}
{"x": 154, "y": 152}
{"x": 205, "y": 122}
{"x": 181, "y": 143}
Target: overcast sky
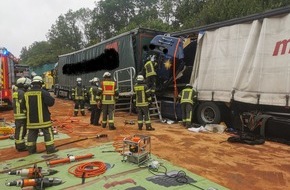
{"x": 23, "y": 22}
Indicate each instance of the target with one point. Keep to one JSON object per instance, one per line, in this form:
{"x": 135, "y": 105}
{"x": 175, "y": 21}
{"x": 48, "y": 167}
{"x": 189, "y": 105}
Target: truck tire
{"x": 208, "y": 113}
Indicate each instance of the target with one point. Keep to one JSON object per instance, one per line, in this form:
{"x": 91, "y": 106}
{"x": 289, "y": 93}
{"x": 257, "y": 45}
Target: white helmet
{"x": 37, "y": 79}
{"x": 95, "y": 79}
{"x": 33, "y": 74}
{"x": 21, "y": 80}
{"x": 79, "y": 79}
{"x": 107, "y": 74}
{"x": 140, "y": 78}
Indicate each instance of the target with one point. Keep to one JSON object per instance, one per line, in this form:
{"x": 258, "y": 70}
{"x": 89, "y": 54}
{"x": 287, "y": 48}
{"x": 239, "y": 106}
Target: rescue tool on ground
{"x": 38, "y": 183}
{"x": 33, "y": 172}
{"x": 69, "y": 159}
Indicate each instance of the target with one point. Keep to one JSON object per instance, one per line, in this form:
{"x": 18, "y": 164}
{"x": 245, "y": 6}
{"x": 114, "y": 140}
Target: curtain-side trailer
{"x": 240, "y": 65}
{"x": 130, "y": 50}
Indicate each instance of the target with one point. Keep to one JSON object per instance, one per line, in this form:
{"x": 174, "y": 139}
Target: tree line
{"x": 76, "y": 30}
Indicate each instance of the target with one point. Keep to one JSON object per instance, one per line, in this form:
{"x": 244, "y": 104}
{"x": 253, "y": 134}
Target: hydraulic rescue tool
{"x": 69, "y": 159}
{"x": 33, "y": 172}
{"x": 38, "y": 183}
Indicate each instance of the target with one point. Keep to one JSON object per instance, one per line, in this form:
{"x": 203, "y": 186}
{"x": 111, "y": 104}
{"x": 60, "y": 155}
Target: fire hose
{"x": 89, "y": 169}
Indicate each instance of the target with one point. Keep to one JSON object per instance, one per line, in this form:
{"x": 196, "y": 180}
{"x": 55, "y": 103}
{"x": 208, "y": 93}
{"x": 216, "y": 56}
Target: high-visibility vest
{"x": 109, "y": 90}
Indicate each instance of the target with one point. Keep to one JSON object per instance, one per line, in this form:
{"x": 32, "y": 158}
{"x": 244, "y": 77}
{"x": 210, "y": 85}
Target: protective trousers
{"x": 108, "y": 113}
{"x": 143, "y": 113}
{"x": 20, "y": 132}
{"x": 186, "y": 112}
{"x": 79, "y": 104}
{"x": 48, "y": 139}
{"x": 95, "y": 115}
{"x": 151, "y": 82}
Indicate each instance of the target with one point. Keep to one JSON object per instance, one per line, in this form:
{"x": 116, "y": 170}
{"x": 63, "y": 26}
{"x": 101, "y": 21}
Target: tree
{"x": 70, "y": 33}
{"x": 38, "y": 53}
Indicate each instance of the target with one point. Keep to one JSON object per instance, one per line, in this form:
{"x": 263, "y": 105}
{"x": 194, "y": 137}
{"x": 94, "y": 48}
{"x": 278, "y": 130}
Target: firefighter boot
{"x": 112, "y": 127}
{"x": 51, "y": 149}
{"x": 20, "y": 147}
{"x": 83, "y": 113}
{"x": 140, "y": 125}
{"x": 149, "y": 128}
{"x": 31, "y": 149}
{"x": 75, "y": 113}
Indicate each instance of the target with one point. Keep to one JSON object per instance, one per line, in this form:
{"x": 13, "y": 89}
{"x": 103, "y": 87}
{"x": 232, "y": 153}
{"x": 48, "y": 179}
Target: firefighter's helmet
{"x": 140, "y": 78}
{"x": 20, "y": 81}
{"x": 94, "y": 80}
{"x": 107, "y": 75}
{"x": 188, "y": 85}
{"x": 33, "y": 74}
{"x": 79, "y": 79}
{"x": 37, "y": 79}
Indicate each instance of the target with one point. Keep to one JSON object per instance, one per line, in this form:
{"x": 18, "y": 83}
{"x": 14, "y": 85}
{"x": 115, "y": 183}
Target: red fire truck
{"x": 10, "y": 71}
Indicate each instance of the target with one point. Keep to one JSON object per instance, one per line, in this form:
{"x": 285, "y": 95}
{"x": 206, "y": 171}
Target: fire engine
{"x": 10, "y": 71}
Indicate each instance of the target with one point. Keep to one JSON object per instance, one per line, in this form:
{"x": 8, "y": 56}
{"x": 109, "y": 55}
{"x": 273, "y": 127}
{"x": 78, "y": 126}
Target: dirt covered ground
{"x": 235, "y": 166}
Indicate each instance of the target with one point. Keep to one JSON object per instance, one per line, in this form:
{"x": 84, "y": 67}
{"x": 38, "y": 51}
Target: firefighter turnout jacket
{"x": 37, "y": 102}
{"x": 142, "y": 95}
{"x": 188, "y": 95}
{"x": 79, "y": 93}
{"x": 150, "y": 68}
{"x": 18, "y": 108}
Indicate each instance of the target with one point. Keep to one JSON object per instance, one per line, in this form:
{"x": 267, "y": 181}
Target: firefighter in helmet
{"x": 150, "y": 73}
{"x": 79, "y": 94}
{"x": 37, "y": 101}
{"x": 109, "y": 93}
{"x": 142, "y": 98}
{"x": 95, "y": 105}
{"x": 22, "y": 84}
{"x": 187, "y": 99}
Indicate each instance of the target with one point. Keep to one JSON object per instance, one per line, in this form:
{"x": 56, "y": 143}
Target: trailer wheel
{"x": 208, "y": 112}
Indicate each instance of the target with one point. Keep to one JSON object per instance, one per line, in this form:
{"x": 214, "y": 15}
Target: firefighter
{"x": 37, "y": 101}
{"x": 187, "y": 99}
{"x": 142, "y": 98}
{"x": 95, "y": 101}
{"x": 150, "y": 73}
{"x": 79, "y": 94}
{"x": 109, "y": 93}
{"x": 22, "y": 84}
